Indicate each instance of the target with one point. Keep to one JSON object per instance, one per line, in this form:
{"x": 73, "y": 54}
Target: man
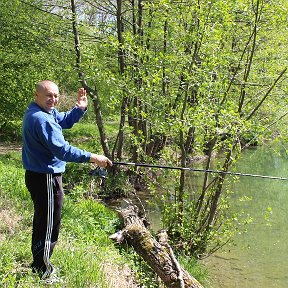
{"x": 44, "y": 154}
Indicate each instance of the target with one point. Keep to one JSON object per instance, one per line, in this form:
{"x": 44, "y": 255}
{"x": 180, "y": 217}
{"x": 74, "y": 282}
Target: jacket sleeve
{"x": 52, "y": 138}
{"x": 67, "y": 119}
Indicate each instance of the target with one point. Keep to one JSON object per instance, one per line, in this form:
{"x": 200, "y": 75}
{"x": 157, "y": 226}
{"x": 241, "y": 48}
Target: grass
{"x": 84, "y": 250}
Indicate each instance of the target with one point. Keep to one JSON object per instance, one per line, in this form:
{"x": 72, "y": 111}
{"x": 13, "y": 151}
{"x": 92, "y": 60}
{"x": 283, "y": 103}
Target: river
{"x": 259, "y": 258}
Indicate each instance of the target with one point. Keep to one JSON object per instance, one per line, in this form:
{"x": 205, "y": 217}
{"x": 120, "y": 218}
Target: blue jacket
{"x": 44, "y": 147}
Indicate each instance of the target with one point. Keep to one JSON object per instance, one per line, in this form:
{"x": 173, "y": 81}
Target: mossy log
{"x": 158, "y": 254}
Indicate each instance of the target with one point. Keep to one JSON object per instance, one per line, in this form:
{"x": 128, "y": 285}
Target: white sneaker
{"x": 50, "y": 278}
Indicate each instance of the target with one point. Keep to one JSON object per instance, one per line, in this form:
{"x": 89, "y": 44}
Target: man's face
{"x": 47, "y": 96}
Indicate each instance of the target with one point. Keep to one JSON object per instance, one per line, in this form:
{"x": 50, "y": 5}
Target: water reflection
{"x": 260, "y": 256}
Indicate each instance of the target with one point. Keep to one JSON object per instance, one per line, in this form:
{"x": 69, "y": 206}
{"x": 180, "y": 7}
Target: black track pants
{"x": 47, "y": 195}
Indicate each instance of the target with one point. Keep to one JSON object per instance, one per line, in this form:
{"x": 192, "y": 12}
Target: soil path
{"x": 10, "y": 147}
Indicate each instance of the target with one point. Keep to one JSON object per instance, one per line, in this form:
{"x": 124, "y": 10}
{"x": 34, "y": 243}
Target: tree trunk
{"x": 158, "y": 254}
{"x": 122, "y": 66}
{"x": 92, "y": 92}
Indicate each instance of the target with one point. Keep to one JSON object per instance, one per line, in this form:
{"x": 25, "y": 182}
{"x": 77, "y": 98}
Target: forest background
{"x": 177, "y": 81}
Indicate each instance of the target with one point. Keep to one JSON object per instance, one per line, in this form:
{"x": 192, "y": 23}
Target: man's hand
{"x": 100, "y": 160}
{"x": 82, "y": 101}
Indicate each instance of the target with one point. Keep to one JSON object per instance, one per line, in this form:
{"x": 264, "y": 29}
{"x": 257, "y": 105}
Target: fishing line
{"x": 197, "y": 170}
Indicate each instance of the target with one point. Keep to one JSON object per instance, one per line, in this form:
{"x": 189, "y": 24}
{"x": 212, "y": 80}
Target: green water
{"x": 259, "y": 258}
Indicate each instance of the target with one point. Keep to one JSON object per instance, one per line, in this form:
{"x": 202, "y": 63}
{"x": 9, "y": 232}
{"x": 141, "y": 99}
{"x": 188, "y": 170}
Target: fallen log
{"x": 158, "y": 254}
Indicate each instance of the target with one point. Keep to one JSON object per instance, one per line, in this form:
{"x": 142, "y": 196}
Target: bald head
{"x": 47, "y": 95}
{"x": 44, "y": 85}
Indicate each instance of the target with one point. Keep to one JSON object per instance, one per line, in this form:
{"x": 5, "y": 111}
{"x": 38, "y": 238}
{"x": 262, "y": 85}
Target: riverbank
{"x": 85, "y": 256}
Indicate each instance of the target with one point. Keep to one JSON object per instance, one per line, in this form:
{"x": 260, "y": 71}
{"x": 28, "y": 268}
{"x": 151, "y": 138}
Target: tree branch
{"x": 267, "y": 94}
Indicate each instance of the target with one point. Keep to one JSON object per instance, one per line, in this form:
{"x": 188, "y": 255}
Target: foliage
{"x": 189, "y": 235}
{"x": 34, "y": 46}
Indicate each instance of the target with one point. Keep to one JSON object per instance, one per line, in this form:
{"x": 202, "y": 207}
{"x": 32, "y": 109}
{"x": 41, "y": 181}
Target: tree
{"x": 219, "y": 98}
{"x": 34, "y": 46}
{"x": 186, "y": 73}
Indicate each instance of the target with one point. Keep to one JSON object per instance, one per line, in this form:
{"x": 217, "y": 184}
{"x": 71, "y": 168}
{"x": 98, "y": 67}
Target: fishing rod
{"x": 197, "y": 170}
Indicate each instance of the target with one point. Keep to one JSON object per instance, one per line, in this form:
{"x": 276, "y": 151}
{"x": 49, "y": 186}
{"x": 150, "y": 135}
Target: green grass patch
{"x": 83, "y": 247}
